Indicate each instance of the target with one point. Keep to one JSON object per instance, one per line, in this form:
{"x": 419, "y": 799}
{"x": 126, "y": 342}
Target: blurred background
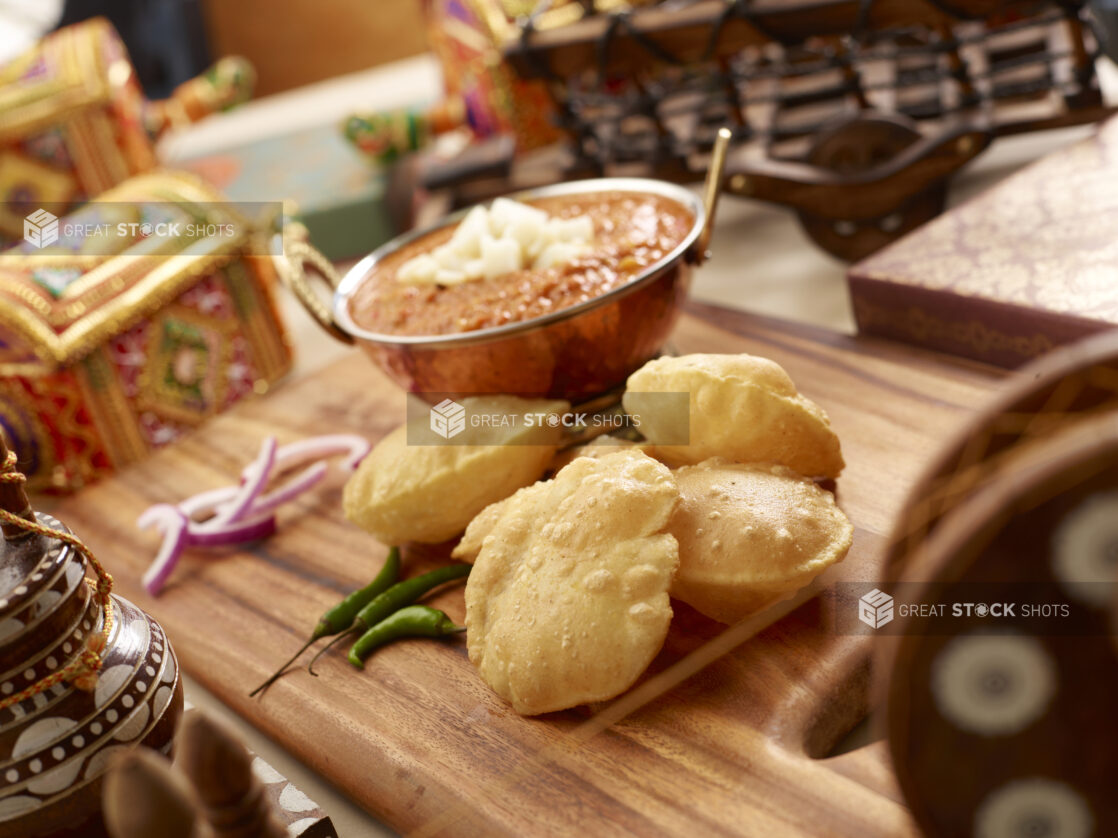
{"x": 342, "y": 91}
{"x": 289, "y": 42}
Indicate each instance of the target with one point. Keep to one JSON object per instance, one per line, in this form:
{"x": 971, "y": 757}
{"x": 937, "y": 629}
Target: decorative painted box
{"x": 152, "y": 311}
{"x": 467, "y": 36}
{"x": 483, "y": 93}
{"x": 1022, "y": 268}
{"x": 74, "y": 122}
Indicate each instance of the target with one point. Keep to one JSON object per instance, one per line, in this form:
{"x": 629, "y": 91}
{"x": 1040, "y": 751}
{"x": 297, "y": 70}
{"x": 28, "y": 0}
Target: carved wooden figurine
{"x": 145, "y": 797}
{"x": 220, "y": 768}
{"x": 216, "y": 789}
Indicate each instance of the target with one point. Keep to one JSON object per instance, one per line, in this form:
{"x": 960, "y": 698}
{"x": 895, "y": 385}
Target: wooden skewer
{"x": 13, "y": 498}
{"x": 143, "y": 796}
{"x": 215, "y": 761}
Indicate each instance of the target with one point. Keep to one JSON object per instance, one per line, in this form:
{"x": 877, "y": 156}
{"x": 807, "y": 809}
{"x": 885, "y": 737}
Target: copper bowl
{"x": 572, "y": 353}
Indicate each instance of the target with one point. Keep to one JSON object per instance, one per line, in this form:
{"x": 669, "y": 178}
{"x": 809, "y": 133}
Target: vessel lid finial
{"x": 13, "y": 497}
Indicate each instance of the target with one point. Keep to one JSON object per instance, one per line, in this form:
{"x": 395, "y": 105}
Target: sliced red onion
{"x": 205, "y": 504}
{"x": 290, "y": 490}
{"x": 173, "y": 528}
{"x": 252, "y": 529}
{"x": 244, "y": 512}
{"x": 159, "y": 516}
{"x": 322, "y": 447}
{"x": 255, "y": 475}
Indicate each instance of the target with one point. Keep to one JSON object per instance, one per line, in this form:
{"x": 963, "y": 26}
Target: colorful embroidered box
{"x": 74, "y": 122}
{"x": 130, "y": 322}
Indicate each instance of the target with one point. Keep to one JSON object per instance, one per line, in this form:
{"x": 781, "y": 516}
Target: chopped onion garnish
{"x": 236, "y": 514}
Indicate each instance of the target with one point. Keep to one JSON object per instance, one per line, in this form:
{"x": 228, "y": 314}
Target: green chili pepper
{"x": 341, "y": 616}
{"x": 395, "y": 598}
{"x": 413, "y": 621}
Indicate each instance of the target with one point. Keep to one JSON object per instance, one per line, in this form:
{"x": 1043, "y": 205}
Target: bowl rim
{"x": 357, "y": 274}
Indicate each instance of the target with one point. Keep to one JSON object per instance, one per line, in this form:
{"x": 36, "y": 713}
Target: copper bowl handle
{"x": 711, "y": 191}
{"x": 298, "y": 257}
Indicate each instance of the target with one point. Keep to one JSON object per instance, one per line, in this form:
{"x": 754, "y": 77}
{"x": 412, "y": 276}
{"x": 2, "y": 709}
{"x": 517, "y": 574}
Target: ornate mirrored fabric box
{"x": 151, "y": 311}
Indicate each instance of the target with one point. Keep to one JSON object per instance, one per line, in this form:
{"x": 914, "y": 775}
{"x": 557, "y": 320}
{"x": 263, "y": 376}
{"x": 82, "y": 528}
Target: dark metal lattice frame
{"x": 775, "y": 93}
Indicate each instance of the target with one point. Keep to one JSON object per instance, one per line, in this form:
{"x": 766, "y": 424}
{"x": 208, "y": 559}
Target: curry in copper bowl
{"x": 628, "y": 233}
{"x": 561, "y": 291}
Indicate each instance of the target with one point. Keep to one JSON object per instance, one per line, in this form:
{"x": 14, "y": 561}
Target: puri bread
{"x": 742, "y": 407}
{"x": 751, "y": 535}
{"x": 470, "y": 544}
{"x": 429, "y": 493}
{"x": 734, "y": 557}
{"x": 483, "y": 524}
{"x": 598, "y": 447}
{"x": 568, "y": 600}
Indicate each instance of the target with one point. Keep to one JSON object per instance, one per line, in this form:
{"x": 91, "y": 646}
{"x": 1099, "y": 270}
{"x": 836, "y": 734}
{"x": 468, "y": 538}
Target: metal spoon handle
{"x": 712, "y": 190}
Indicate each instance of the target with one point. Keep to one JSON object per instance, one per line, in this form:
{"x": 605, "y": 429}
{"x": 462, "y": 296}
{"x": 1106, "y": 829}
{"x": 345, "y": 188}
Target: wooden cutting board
{"x": 422, "y": 743}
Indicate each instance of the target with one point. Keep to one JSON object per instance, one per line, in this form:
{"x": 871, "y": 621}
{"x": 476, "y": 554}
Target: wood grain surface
{"x": 422, "y": 743}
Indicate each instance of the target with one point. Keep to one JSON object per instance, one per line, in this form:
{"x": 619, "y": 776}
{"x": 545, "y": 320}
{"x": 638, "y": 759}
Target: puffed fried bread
{"x": 482, "y": 525}
{"x": 598, "y": 447}
{"x": 568, "y": 599}
{"x": 742, "y": 407}
{"x": 751, "y": 535}
{"x": 428, "y": 493}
